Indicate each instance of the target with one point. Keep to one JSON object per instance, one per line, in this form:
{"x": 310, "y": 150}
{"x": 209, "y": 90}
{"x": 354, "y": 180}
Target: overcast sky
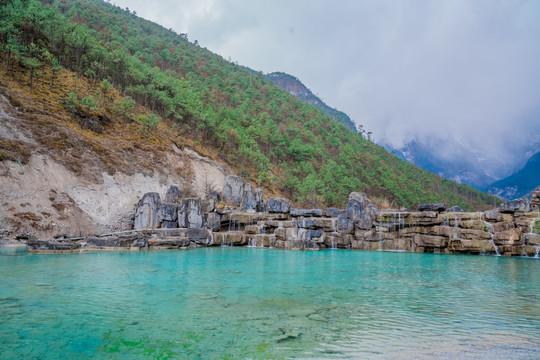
{"x": 464, "y": 73}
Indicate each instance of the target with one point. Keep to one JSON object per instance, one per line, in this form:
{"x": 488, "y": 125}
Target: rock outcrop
{"x": 511, "y": 230}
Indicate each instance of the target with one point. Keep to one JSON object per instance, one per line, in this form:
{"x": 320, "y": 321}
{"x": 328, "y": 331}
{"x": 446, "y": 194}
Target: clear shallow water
{"x": 261, "y": 303}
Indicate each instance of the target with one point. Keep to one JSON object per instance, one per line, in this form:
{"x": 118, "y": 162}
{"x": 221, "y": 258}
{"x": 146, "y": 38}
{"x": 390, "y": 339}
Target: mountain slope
{"x": 519, "y": 183}
{"x": 295, "y": 87}
{"x": 122, "y": 85}
{"x": 460, "y": 167}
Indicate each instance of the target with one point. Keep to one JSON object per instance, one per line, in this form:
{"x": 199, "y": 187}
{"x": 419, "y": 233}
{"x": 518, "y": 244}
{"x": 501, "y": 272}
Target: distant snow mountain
{"x": 296, "y": 88}
{"x": 520, "y": 183}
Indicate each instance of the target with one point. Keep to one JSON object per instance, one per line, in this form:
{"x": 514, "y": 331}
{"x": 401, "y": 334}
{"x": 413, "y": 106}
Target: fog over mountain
{"x": 461, "y": 77}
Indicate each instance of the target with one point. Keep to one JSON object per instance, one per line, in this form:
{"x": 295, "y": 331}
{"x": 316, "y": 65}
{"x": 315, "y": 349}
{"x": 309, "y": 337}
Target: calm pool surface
{"x": 230, "y": 303}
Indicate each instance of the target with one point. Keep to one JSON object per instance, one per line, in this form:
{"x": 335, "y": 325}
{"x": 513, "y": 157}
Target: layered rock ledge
{"x": 239, "y": 216}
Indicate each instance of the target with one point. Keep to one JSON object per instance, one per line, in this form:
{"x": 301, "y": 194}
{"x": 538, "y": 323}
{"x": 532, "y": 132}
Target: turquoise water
{"x": 234, "y": 303}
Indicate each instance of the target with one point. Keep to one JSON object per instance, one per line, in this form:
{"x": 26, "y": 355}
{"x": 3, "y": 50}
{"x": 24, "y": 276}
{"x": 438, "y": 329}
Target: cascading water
{"x": 490, "y": 231}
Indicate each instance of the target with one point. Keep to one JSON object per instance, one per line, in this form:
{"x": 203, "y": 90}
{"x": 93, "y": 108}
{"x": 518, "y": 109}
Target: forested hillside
{"x": 174, "y": 89}
{"x": 295, "y": 87}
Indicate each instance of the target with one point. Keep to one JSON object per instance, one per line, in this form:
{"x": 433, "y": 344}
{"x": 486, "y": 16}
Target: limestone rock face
{"x": 121, "y": 242}
{"x": 52, "y": 246}
{"x": 345, "y": 224}
{"x": 167, "y": 216}
{"x": 211, "y": 201}
{"x": 430, "y": 241}
{"x": 213, "y": 220}
{"x": 248, "y": 198}
{"x": 146, "y": 213}
{"x": 307, "y": 212}
{"x": 333, "y": 212}
{"x": 364, "y": 221}
{"x": 278, "y": 205}
{"x": 190, "y": 214}
{"x": 173, "y": 195}
{"x": 515, "y": 205}
{"x": 432, "y": 207}
{"x": 232, "y": 191}
{"x": 535, "y": 199}
{"x": 258, "y": 197}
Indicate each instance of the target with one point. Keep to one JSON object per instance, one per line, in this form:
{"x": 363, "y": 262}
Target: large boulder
{"x": 535, "y": 199}
{"x": 213, "y": 221}
{"x": 233, "y": 189}
{"x": 356, "y": 204}
{"x": 333, "y": 212}
{"x": 190, "y": 214}
{"x": 522, "y": 205}
{"x": 307, "y": 212}
{"x": 167, "y": 216}
{"x": 248, "y": 198}
{"x": 344, "y": 224}
{"x": 258, "y": 197}
{"x": 364, "y": 221}
{"x": 146, "y": 213}
{"x": 432, "y": 207}
{"x": 172, "y": 196}
{"x": 278, "y": 205}
{"x": 454, "y": 209}
{"x": 211, "y": 202}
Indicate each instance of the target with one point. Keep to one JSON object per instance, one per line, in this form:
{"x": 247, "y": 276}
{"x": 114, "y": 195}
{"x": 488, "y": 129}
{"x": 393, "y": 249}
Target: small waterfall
{"x": 334, "y": 226}
{"x": 455, "y": 229}
{"x": 537, "y": 255}
{"x": 490, "y": 230}
{"x": 210, "y": 241}
{"x": 334, "y": 245}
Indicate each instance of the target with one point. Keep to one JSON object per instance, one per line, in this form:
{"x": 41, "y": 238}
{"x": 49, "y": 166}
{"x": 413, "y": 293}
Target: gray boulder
{"x": 372, "y": 210}
{"x": 146, "y": 213}
{"x": 258, "y": 197}
{"x": 211, "y": 201}
{"x": 307, "y": 212}
{"x": 455, "y": 209}
{"x": 190, "y": 214}
{"x": 306, "y": 224}
{"x": 354, "y": 208}
{"x": 364, "y": 221}
{"x": 233, "y": 189}
{"x": 493, "y": 215}
{"x": 432, "y": 207}
{"x": 333, "y": 212}
{"x": 344, "y": 224}
{"x": 248, "y": 198}
{"x": 515, "y": 205}
{"x": 172, "y": 196}
{"x": 199, "y": 236}
{"x": 360, "y": 197}
{"x": 278, "y": 205}
{"x": 167, "y": 216}
{"x": 213, "y": 221}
